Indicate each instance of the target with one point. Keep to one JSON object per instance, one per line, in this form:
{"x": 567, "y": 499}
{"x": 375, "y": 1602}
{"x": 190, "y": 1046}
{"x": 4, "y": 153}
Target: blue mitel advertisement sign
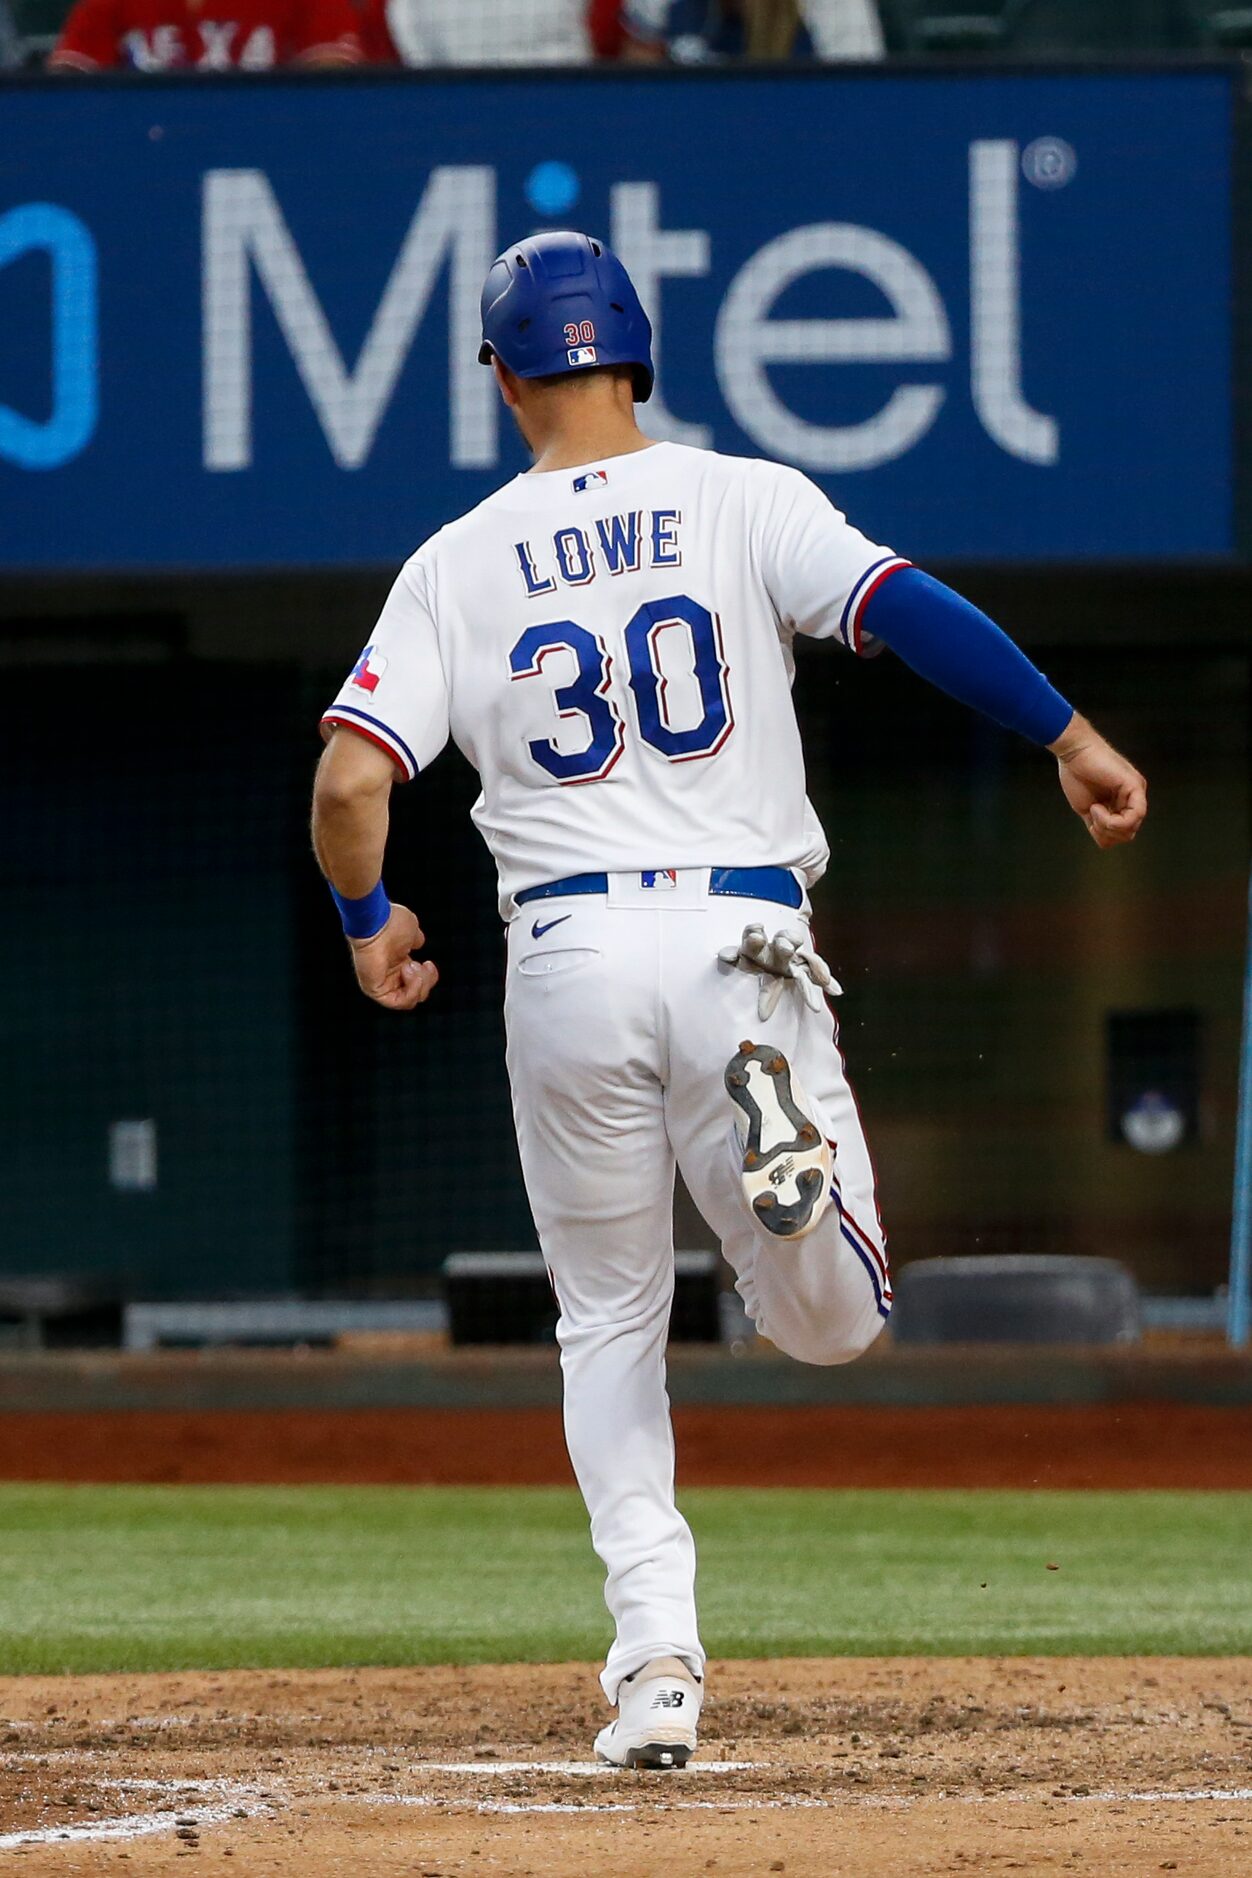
{"x": 989, "y": 313}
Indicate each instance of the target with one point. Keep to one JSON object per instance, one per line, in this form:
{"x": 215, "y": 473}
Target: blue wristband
{"x": 364, "y": 917}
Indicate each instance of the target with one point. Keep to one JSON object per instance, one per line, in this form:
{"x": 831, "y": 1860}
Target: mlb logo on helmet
{"x": 594, "y": 479}
{"x": 368, "y": 669}
{"x": 582, "y": 355}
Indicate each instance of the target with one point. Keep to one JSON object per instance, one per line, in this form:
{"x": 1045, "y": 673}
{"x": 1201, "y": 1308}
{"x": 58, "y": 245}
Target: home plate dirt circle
{"x": 868, "y": 1767}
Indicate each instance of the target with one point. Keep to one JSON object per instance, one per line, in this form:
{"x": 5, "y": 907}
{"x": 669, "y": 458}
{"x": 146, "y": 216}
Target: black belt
{"x": 741, "y": 883}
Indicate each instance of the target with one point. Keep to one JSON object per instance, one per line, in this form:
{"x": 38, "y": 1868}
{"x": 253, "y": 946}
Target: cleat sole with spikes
{"x": 787, "y": 1162}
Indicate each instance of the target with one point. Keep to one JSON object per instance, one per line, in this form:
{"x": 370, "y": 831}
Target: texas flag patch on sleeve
{"x": 368, "y": 669}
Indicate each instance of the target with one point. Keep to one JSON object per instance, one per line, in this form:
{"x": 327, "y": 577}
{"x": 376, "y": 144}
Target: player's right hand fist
{"x": 1103, "y": 789}
{"x": 385, "y": 970}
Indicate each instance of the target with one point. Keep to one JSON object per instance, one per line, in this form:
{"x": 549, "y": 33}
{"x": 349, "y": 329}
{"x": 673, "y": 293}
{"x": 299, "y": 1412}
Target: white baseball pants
{"x": 621, "y": 1020}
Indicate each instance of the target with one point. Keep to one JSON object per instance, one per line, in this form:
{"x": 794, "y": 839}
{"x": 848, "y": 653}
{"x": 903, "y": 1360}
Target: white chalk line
{"x": 805, "y": 1803}
{"x": 225, "y": 1789}
{"x": 595, "y": 1806}
{"x": 126, "y": 1826}
{"x": 235, "y": 1800}
{"x": 596, "y": 1769}
{"x": 1166, "y": 1793}
{"x": 232, "y": 1800}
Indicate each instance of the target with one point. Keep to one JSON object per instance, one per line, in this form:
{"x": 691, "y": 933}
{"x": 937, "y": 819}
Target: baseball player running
{"x": 608, "y": 639}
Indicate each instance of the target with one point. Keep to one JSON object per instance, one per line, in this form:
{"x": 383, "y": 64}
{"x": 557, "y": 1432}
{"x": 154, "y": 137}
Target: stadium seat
{"x": 507, "y": 1297}
{"x": 1016, "y": 1299}
{"x": 952, "y": 25}
{"x": 10, "y": 45}
{"x": 62, "y": 1312}
{"x": 1059, "y": 26}
{"x": 38, "y": 24}
{"x": 894, "y": 16}
{"x": 1221, "y": 26}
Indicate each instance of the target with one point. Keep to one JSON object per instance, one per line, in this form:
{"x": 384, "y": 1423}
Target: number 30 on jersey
{"x": 589, "y": 694}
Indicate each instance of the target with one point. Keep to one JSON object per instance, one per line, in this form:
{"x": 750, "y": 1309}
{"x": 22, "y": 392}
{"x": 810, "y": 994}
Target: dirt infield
{"x": 878, "y": 1769}
{"x": 1130, "y": 1445}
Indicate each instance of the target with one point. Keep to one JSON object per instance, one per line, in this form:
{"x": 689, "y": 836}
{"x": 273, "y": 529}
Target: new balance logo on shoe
{"x": 782, "y": 1172}
{"x": 668, "y": 1698}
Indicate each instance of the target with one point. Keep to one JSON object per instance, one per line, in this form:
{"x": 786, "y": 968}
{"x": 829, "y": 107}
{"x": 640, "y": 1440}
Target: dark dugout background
{"x": 170, "y": 954}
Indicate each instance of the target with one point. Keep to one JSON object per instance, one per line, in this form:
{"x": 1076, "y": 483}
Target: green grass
{"x": 139, "y": 1578}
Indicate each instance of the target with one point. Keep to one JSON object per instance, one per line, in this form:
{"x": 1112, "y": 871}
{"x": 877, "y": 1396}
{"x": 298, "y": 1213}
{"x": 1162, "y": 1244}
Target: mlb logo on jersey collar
{"x": 594, "y": 479}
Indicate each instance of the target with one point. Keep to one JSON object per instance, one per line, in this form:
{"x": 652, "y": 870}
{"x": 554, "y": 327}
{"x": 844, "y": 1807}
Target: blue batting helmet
{"x": 560, "y": 302}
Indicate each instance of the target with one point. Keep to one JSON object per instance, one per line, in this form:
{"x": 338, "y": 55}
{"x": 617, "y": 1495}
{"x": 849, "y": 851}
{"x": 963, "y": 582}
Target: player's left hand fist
{"x": 385, "y": 970}
{"x": 1100, "y": 785}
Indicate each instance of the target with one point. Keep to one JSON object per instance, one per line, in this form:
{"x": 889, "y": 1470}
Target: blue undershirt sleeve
{"x": 950, "y": 643}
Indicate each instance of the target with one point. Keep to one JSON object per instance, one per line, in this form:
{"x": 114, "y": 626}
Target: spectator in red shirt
{"x": 206, "y": 35}
{"x": 607, "y": 28}
{"x": 377, "y": 45}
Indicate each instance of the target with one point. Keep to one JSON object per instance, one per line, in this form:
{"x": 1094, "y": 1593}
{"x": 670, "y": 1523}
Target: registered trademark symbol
{"x": 1049, "y": 162}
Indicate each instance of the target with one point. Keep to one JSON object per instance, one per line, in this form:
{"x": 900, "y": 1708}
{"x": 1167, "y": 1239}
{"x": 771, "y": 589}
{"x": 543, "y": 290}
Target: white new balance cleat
{"x": 657, "y": 1714}
{"x": 787, "y": 1161}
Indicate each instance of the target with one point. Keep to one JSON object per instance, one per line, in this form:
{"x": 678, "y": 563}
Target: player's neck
{"x": 577, "y": 420}
{"x": 570, "y": 446}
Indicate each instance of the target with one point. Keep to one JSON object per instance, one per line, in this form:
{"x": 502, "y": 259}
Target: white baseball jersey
{"x": 611, "y": 647}
{"x": 482, "y": 32}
